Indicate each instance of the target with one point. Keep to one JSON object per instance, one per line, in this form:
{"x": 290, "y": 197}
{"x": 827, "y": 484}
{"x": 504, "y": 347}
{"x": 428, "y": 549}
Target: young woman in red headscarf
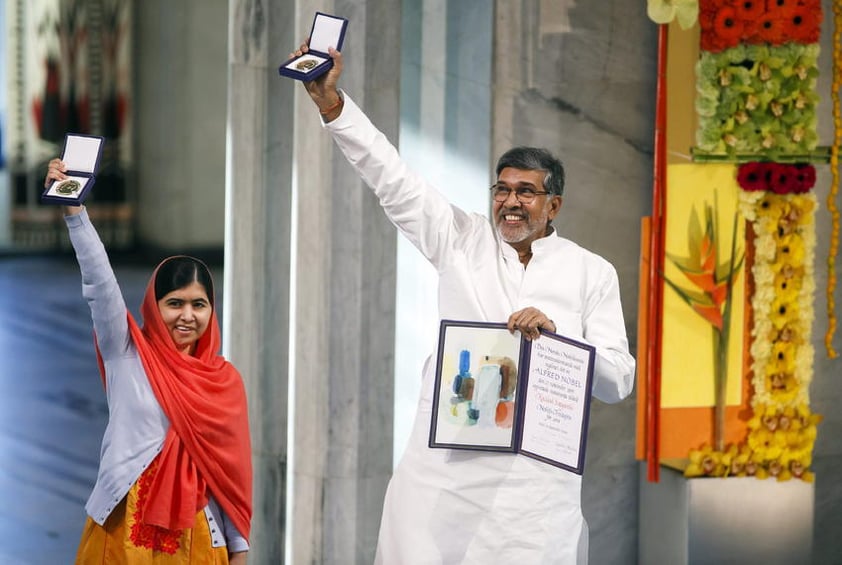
{"x": 174, "y": 483}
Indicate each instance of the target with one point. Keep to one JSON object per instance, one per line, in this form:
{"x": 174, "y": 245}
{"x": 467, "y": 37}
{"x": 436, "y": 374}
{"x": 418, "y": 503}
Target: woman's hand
{"x": 323, "y": 90}
{"x": 530, "y": 321}
{"x": 56, "y": 172}
{"x": 239, "y": 558}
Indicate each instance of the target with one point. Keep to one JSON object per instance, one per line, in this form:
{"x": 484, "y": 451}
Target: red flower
{"x": 781, "y": 8}
{"x": 706, "y": 19}
{"x": 781, "y": 179}
{"x": 712, "y": 6}
{"x": 804, "y": 24}
{"x": 749, "y": 9}
{"x": 804, "y": 177}
{"x": 711, "y": 42}
{"x": 752, "y": 176}
{"x": 727, "y": 26}
{"x": 767, "y": 29}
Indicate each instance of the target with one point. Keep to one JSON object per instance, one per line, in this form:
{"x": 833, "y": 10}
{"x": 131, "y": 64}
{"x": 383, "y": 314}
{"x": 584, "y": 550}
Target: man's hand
{"x": 530, "y": 321}
{"x": 323, "y": 90}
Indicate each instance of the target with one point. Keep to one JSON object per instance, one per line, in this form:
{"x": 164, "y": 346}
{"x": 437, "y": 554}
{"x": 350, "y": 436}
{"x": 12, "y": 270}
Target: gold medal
{"x": 306, "y": 64}
{"x": 68, "y": 187}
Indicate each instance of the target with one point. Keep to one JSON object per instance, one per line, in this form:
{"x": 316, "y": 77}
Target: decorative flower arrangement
{"x": 782, "y": 430}
{"x": 779, "y": 178}
{"x": 757, "y": 100}
{"x": 832, "y": 207}
{"x": 665, "y": 11}
{"x": 780, "y": 445}
{"x": 727, "y": 23}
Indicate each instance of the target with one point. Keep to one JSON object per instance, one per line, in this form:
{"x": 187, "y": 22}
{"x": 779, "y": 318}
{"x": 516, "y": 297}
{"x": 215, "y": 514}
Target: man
{"x": 449, "y": 506}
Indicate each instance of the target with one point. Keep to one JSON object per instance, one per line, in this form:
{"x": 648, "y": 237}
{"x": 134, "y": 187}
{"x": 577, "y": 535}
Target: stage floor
{"x": 52, "y": 405}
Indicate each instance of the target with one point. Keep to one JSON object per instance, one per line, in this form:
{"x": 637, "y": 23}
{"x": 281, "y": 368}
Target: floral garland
{"x": 757, "y": 99}
{"x": 727, "y": 23}
{"x": 782, "y": 430}
{"x": 834, "y": 185}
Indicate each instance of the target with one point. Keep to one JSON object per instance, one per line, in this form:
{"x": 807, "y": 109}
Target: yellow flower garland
{"x": 834, "y": 170}
{"x": 782, "y": 431}
{"x": 782, "y": 304}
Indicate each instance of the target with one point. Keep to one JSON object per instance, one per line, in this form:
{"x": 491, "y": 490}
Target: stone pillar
{"x": 258, "y": 219}
{"x": 308, "y": 248}
{"x": 179, "y": 121}
{"x": 344, "y": 327}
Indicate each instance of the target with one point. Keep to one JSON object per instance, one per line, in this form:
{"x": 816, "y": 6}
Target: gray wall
{"x": 181, "y": 58}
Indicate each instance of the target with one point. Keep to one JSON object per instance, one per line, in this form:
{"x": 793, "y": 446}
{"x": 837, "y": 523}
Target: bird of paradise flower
{"x": 710, "y": 295}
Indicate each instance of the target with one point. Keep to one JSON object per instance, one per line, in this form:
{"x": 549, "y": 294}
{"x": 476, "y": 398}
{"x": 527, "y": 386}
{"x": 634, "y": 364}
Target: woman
{"x": 174, "y": 481}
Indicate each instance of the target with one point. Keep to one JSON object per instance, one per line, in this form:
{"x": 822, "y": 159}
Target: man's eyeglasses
{"x": 501, "y": 193}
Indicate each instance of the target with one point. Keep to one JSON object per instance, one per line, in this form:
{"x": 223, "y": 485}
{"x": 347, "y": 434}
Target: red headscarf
{"x": 208, "y": 444}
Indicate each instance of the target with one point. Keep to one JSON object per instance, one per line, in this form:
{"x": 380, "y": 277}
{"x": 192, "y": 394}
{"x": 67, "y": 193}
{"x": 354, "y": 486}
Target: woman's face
{"x": 186, "y": 313}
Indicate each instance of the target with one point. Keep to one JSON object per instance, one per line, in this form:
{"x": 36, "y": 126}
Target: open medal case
{"x": 81, "y": 154}
{"x": 328, "y": 31}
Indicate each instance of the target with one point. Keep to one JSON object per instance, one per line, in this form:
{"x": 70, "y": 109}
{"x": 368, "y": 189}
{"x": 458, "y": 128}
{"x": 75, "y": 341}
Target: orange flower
{"x": 804, "y": 24}
{"x": 781, "y": 8}
{"x": 728, "y": 26}
{"x": 711, "y": 314}
{"x": 767, "y": 29}
{"x": 749, "y": 9}
{"x": 711, "y": 280}
{"x": 710, "y": 295}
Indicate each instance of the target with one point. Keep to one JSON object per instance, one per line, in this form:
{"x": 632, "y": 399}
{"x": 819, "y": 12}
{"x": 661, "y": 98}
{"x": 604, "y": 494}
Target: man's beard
{"x": 524, "y": 230}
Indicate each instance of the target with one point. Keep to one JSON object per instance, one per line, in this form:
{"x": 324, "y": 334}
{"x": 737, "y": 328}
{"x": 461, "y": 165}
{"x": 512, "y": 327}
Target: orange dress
{"x": 123, "y": 539}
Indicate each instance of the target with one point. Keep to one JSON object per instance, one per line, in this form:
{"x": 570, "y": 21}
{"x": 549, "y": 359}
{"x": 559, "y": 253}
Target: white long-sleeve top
{"x": 450, "y": 506}
{"x": 137, "y": 424}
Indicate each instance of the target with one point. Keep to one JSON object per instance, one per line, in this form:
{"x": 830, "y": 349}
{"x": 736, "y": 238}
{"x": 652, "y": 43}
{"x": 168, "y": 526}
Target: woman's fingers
{"x": 55, "y": 171}
{"x": 304, "y": 48}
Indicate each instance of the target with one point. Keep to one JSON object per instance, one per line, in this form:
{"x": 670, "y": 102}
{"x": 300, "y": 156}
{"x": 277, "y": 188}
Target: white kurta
{"x": 460, "y": 507}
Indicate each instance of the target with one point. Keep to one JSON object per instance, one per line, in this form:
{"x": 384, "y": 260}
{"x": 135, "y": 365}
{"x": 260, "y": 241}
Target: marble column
{"x": 344, "y": 326}
{"x": 310, "y": 275}
{"x": 258, "y": 218}
{"x": 178, "y": 123}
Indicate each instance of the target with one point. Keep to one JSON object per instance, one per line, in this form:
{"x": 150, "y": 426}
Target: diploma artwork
{"x": 496, "y": 391}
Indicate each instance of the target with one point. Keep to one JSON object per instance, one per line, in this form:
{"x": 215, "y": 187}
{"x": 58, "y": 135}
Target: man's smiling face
{"x": 521, "y": 223}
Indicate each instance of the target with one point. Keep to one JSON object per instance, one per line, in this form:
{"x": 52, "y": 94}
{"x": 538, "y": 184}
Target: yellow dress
{"x": 124, "y": 540}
